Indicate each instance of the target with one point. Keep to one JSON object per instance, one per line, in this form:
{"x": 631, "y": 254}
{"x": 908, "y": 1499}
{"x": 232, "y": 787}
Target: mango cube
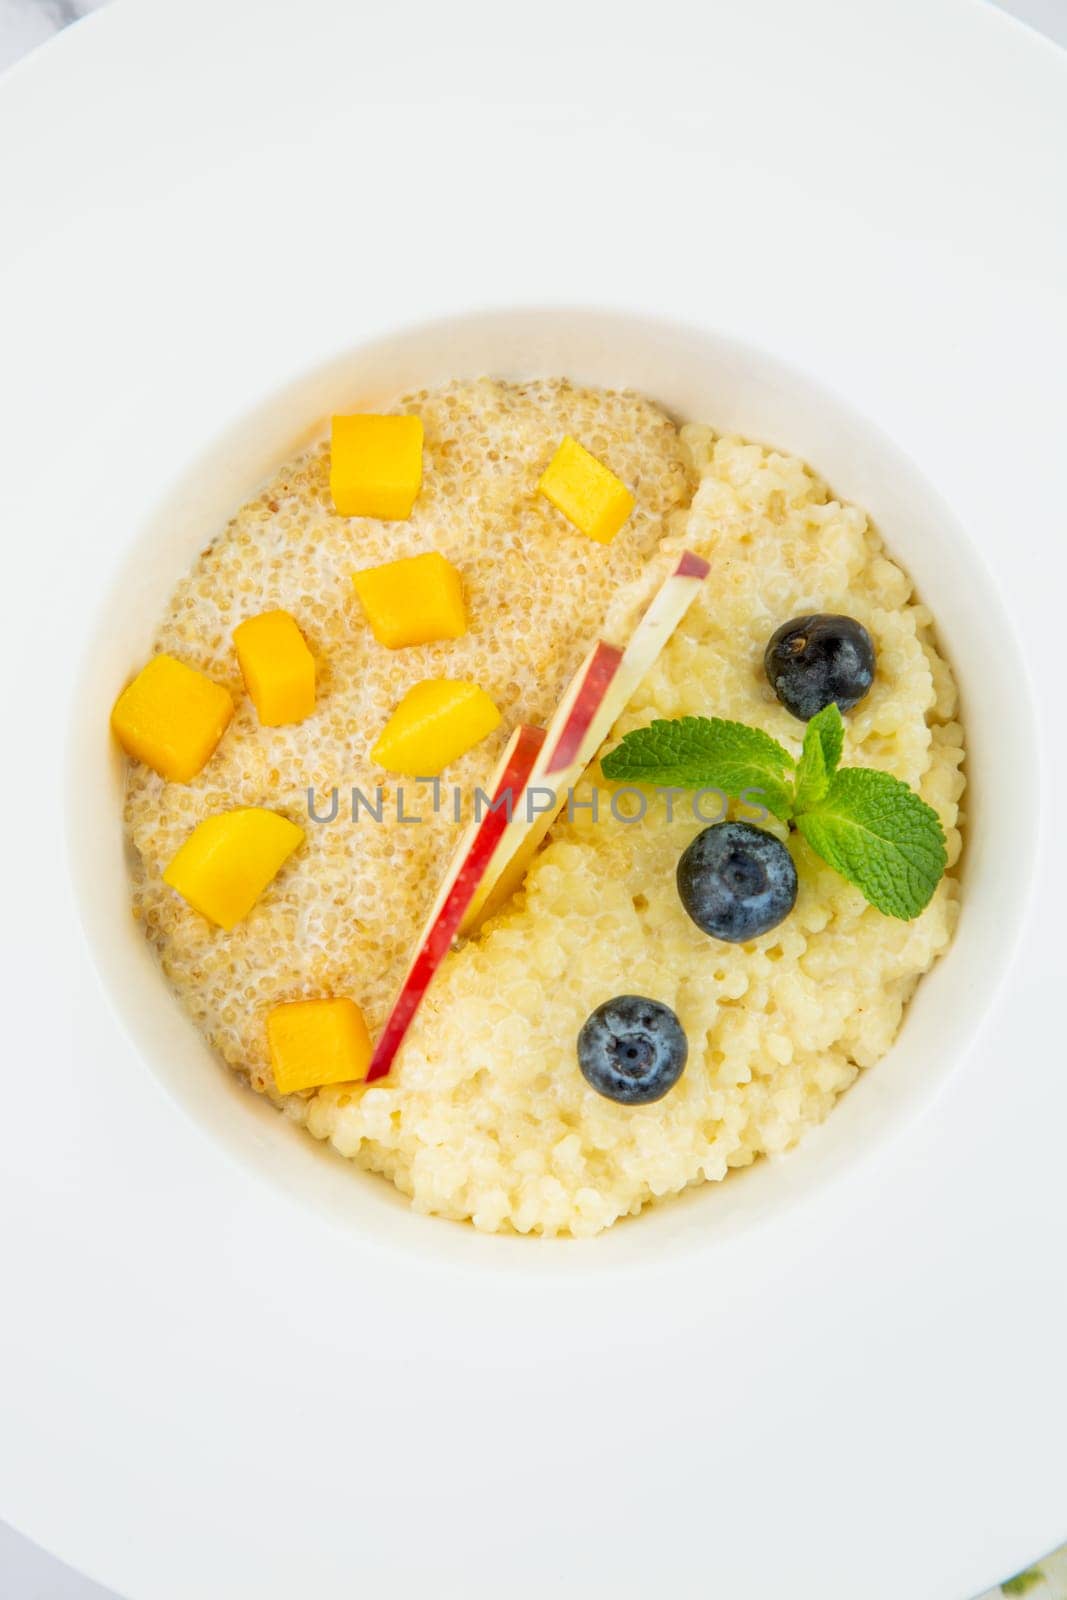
{"x": 375, "y": 465}
{"x": 313, "y": 1042}
{"x": 277, "y": 666}
{"x": 171, "y": 717}
{"x": 589, "y": 496}
{"x": 414, "y": 601}
{"x": 228, "y": 860}
{"x": 436, "y": 722}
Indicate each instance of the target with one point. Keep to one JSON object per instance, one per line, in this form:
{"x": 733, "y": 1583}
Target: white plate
{"x": 229, "y": 1366}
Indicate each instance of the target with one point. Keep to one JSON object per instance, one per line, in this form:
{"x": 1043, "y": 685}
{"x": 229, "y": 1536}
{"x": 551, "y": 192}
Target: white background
{"x": 26, "y": 1573}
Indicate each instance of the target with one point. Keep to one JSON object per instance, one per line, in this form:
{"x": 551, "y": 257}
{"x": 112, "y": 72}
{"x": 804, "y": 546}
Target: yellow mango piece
{"x": 436, "y": 722}
{"x": 414, "y": 601}
{"x": 313, "y": 1042}
{"x": 228, "y": 860}
{"x": 277, "y": 666}
{"x": 171, "y": 717}
{"x": 375, "y": 465}
{"x": 594, "y": 499}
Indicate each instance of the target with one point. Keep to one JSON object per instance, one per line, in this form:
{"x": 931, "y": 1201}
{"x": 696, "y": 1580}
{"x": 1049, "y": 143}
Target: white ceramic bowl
{"x": 696, "y": 375}
{"x": 236, "y": 1366}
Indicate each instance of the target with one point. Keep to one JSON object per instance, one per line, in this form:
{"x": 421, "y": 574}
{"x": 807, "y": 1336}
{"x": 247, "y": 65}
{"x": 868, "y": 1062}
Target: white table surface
{"x": 27, "y": 1573}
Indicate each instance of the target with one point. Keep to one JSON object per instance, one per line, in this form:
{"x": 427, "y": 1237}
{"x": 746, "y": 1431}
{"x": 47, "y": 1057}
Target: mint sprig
{"x": 706, "y": 753}
{"x": 870, "y": 827}
{"x": 824, "y": 740}
{"x": 877, "y": 833}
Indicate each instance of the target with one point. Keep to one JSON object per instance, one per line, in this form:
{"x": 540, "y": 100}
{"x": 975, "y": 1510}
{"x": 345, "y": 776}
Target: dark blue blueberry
{"x": 632, "y": 1050}
{"x": 813, "y": 660}
{"x": 737, "y": 881}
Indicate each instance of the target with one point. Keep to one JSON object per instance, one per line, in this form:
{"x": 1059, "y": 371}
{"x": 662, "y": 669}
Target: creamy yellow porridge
{"x": 485, "y": 1114}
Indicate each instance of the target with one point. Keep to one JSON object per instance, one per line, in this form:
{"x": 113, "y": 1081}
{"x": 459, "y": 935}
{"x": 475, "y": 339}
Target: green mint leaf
{"x": 824, "y": 739}
{"x": 705, "y": 753}
{"x": 1023, "y": 1582}
{"x": 828, "y": 727}
{"x": 877, "y": 833}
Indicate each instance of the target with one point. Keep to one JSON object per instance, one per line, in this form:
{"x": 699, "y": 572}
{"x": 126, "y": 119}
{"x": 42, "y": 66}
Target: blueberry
{"x": 813, "y": 660}
{"x": 737, "y": 881}
{"x": 632, "y": 1050}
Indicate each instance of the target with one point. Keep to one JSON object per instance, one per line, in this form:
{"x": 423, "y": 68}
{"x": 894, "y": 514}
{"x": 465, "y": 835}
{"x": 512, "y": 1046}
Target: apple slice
{"x": 464, "y": 874}
{"x": 595, "y": 698}
{"x": 574, "y": 728}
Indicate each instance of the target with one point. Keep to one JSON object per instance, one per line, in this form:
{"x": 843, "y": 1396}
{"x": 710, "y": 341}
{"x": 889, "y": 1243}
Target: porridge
{"x": 504, "y": 1097}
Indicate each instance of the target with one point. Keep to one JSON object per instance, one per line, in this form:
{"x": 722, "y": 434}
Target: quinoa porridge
{"x": 485, "y": 1114}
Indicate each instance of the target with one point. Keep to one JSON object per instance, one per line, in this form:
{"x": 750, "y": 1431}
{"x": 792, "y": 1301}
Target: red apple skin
{"x": 603, "y": 665}
{"x": 691, "y": 566}
{"x": 436, "y": 940}
{"x": 569, "y": 727}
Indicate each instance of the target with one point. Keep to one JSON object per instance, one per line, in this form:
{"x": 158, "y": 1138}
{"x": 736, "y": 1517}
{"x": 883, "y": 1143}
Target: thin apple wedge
{"x": 461, "y": 881}
{"x": 595, "y": 698}
{"x": 574, "y": 728}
